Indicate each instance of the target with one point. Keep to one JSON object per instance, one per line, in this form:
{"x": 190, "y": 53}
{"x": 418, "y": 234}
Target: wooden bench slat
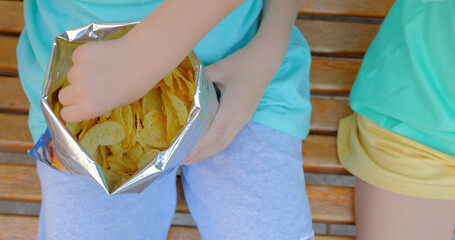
{"x": 338, "y": 38}
{"x": 327, "y": 113}
{"x": 19, "y": 183}
{"x": 324, "y": 37}
{"x": 17, "y": 158}
{"x": 11, "y": 17}
{"x": 13, "y": 97}
{"x": 183, "y": 233}
{"x": 333, "y": 75}
{"x": 328, "y": 76}
{"x": 328, "y": 203}
{"x": 319, "y": 152}
{"x": 14, "y": 133}
{"x": 15, "y": 137}
{"x": 19, "y": 227}
{"x": 181, "y": 202}
{"x": 320, "y": 155}
{"x": 351, "y": 8}
{"x": 327, "y": 237}
{"x": 8, "y": 65}
{"x": 331, "y": 204}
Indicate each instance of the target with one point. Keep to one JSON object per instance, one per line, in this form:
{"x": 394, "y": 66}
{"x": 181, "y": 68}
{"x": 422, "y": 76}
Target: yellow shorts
{"x": 393, "y": 162}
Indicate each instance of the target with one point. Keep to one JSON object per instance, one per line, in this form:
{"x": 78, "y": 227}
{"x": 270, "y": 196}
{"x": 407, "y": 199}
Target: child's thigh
{"x": 382, "y": 214}
{"x": 76, "y": 207}
{"x": 254, "y": 189}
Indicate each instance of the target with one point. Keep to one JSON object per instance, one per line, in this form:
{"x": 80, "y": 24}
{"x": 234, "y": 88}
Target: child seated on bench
{"x": 251, "y": 184}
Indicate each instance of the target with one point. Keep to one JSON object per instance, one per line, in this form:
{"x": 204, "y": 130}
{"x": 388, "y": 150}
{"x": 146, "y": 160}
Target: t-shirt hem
{"x": 286, "y": 124}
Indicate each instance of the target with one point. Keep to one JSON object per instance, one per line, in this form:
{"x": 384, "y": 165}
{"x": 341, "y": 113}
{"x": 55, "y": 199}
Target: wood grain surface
{"x": 328, "y": 203}
{"x": 11, "y": 17}
{"x": 338, "y": 38}
{"x": 13, "y": 97}
{"x": 8, "y": 65}
{"x": 19, "y": 227}
{"x": 15, "y": 136}
{"x": 351, "y": 8}
{"x": 320, "y": 155}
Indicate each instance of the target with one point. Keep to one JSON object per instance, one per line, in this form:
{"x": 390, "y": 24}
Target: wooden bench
{"x": 339, "y": 32}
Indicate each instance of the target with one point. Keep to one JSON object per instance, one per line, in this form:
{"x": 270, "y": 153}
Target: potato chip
{"x": 179, "y": 106}
{"x": 115, "y": 165}
{"x": 128, "y": 121}
{"x": 107, "y": 133}
{"x": 74, "y": 128}
{"x": 182, "y": 88}
{"x": 188, "y": 64}
{"x": 100, "y": 159}
{"x": 129, "y": 137}
{"x": 139, "y": 128}
{"x": 190, "y": 86}
{"x": 57, "y": 107}
{"x": 151, "y": 99}
{"x": 86, "y": 125}
{"x": 103, "y": 152}
{"x": 188, "y": 81}
{"x": 146, "y": 157}
{"x": 129, "y": 163}
{"x": 135, "y": 152}
{"x": 117, "y": 116}
{"x": 105, "y": 117}
{"x": 132, "y": 140}
{"x": 169, "y": 81}
{"x": 154, "y": 131}
{"x": 116, "y": 150}
{"x": 172, "y": 123}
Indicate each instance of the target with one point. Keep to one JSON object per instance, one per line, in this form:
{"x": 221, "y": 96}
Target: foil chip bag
{"x": 128, "y": 148}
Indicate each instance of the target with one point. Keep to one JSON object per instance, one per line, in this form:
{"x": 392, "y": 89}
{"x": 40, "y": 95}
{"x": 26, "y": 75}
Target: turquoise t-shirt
{"x": 285, "y": 105}
{"x": 407, "y": 80}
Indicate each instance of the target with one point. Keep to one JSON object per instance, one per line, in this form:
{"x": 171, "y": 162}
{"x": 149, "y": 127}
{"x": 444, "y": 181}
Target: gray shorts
{"x": 254, "y": 189}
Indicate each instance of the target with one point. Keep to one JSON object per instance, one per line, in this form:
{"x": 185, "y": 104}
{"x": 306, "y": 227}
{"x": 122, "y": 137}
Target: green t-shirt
{"x": 407, "y": 80}
{"x": 285, "y": 105}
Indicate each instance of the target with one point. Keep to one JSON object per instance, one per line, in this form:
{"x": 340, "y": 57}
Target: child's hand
{"x": 105, "y": 75}
{"x": 242, "y": 84}
{"x": 243, "y": 77}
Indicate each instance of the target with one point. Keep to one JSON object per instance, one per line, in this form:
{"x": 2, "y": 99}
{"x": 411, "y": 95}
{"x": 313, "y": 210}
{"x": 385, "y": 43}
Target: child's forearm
{"x": 171, "y": 31}
{"x": 272, "y": 39}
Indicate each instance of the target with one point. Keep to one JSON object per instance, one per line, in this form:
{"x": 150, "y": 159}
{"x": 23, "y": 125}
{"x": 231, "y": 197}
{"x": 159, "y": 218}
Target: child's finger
{"x": 72, "y": 75}
{"x": 207, "y": 143}
{"x": 218, "y": 136}
{"x": 74, "y": 113}
{"x": 66, "y": 96}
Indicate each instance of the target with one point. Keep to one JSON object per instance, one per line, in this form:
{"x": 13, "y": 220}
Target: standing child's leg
{"x": 381, "y": 214}
{"x": 254, "y": 189}
{"x": 76, "y": 207}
